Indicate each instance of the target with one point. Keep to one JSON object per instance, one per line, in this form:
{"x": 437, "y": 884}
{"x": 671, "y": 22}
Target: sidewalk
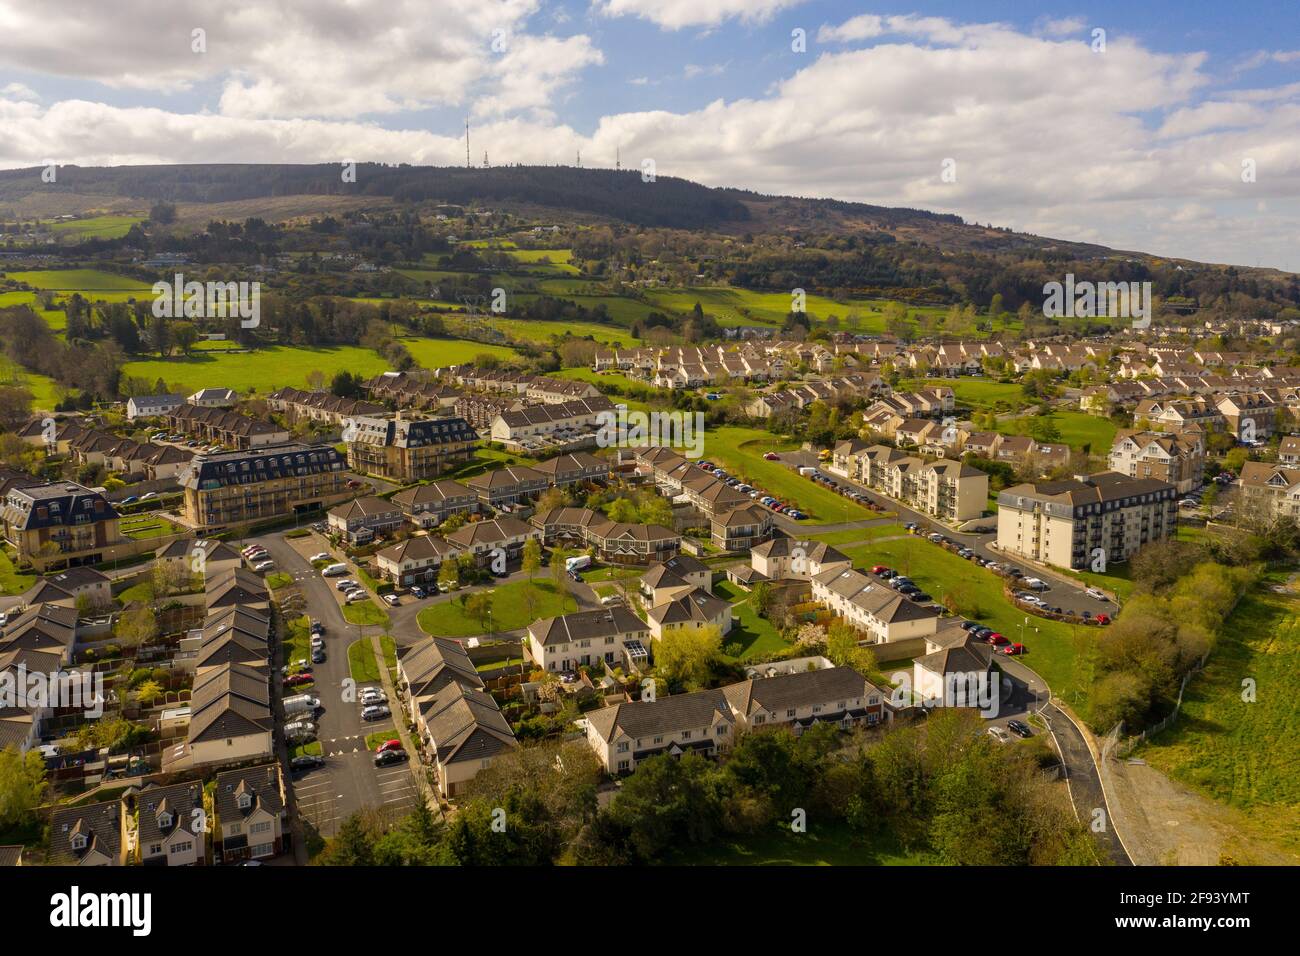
{"x": 417, "y": 768}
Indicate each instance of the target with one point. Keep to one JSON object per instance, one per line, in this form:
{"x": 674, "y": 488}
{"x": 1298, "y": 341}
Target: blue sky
{"x": 1142, "y": 145}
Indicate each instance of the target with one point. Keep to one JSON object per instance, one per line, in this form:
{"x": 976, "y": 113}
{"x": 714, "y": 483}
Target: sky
{"x": 1165, "y": 126}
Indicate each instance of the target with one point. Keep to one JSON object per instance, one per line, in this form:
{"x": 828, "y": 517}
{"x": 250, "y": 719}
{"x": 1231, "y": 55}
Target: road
{"x": 349, "y": 780}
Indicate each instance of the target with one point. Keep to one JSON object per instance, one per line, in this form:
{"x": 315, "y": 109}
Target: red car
{"x": 388, "y": 745}
{"x": 295, "y": 680}
{"x": 876, "y": 569}
{"x": 996, "y": 638}
{"x": 1102, "y": 618}
{"x": 1014, "y": 649}
{"x": 771, "y": 456}
{"x": 354, "y": 483}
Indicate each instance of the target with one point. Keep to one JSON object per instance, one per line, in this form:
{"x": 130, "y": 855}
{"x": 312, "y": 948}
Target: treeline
{"x": 941, "y": 789}
{"x": 1169, "y": 625}
{"x": 95, "y": 368}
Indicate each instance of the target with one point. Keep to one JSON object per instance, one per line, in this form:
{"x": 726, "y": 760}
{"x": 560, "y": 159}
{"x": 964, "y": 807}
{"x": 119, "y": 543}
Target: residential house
{"x": 251, "y": 820}
{"x": 612, "y": 635}
{"x": 361, "y": 519}
{"x": 430, "y": 505}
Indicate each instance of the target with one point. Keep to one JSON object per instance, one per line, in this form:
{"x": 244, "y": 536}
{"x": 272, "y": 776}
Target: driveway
{"x": 349, "y": 780}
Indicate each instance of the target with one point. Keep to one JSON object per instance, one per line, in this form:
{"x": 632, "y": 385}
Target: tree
{"x": 163, "y": 213}
{"x": 687, "y": 655}
{"x": 842, "y": 644}
{"x": 148, "y": 692}
{"x": 760, "y": 597}
{"x": 351, "y": 846}
{"x": 185, "y": 335}
{"x": 479, "y": 606}
{"x": 532, "y": 559}
{"x": 137, "y": 626}
{"x": 448, "y": 576}
{"x": 22, "y": 785}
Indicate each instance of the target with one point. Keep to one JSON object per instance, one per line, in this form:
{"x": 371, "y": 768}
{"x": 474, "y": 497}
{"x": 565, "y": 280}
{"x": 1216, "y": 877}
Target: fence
{"x": 1123, "y": 748}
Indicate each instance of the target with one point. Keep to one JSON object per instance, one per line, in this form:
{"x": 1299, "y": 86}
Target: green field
{"x": 365, "y": 613}
{"x": 97, "y": 227}
{"x": 148, "y": 526}
{"x": 981, "y": 393}
{"x": 1051, "y": 647}
{"x": 80, "y": 280}
{"x": 436, "y": 353}
{"x": 1238, "y": 752}
{"x": 536, "y": 330}
{"x": 740, "y": 451}
{"x": 734, "y": 306}
{"x": 1077, "y": 430}
{"x": 263, "y": 370}
{"x": 509, "y": 610}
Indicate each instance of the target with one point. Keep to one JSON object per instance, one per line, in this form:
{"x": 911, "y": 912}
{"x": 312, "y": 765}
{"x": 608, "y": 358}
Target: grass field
{"x": 362, "y": 665}
{"x": 832, "y": 844}
{"x": 1233, "y": 750}
{"x": 263, "y": 370}
{"x": 1077, "y": 430}
{"x": 531, "y": 330}
{"x": 740, "y": 451}
{"x": 436, "y": 353}
{"x": 509, "y": 610}
{"x": 975, "y": 392}
{"x": 734, "y": 306}
{"x": 97, "y": 227}
{"x": 366, "y": 613}
{"x": 148, "y": 526}
{"x": 1053, "y": 649}
{"x": 79, "y": 280}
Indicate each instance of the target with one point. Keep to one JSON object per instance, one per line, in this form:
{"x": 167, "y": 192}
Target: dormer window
{"x": 245, "y": 801}
{"x": 79, "y": 841}
{"x": 165, "y": 821}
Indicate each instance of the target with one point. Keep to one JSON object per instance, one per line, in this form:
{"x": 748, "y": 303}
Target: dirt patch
{"x": 1164, "y": 823}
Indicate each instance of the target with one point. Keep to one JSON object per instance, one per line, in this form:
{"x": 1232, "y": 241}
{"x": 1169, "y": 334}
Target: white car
{"x": 1035, "y": 583}
{"x": 392, "y": 600}
{"x": 263, "y": 566}
{"x": 352, "y": 597}
{"x": 323, "y": 556}
{"x": 1097, "y": 593}
{"x": 334, "y": 570}
{"x": 999, "y": 734}
{"x": 375, "y": 712}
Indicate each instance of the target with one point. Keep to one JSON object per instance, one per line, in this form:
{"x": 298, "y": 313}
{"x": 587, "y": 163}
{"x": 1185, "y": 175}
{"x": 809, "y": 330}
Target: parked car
{"x": 306, "y": 762}
{"x": 417, "y": 592}
{"x": 318, "y": 656}
{"x": 1013, "y": 649}
{"x": 1019, "y": 728}
{"x": 1096, "y": 593}
{"x": 297, "y": 680}
{"x": 999, "y": 734}
{"x": 263, "y": 566}
{"x": 149, "y": 496}
{"x": 1102, "y": 618}
{"x": 333, "y": 570}
{"x": 880, "y": 569}
{"x": 130, "y": 500}
{"x": 388, "y": 745}
{"x": 996, "y": 638}
{"x": 391, "y": 600}
{"x": 1036, "y": 583}
{"x": 920, "y": 597}
{"x": 321, "y": 556}
{"x": 375, "y": 712}
{"x": 317, "y": 627}
{"x": 347, "y": 584}
{"x": 389, "y": 756}
{"x": 771, "y": 456}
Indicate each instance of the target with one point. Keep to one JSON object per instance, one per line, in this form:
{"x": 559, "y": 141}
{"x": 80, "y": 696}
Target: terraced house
{"x": 946, "y": 489}
{"x": 59, "y": 524}
{"x": 1066, "y": 523}
{"x": 613, "y": 635}
{"x": 405, "y": 450}
{"x": 872, "y": 606}
{"x": 231, "y": 488}
{"x": 617, "y": 542}
{"x": 360, "y": 519}
{"x": 430, "y": 505}
{"x": 1177, "y": 459}
{"x": 222, "y": 427}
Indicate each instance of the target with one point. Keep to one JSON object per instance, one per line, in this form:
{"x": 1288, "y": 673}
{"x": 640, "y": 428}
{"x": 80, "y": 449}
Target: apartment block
{"x": 405, "y": 450}
{"x": 59, "y": 524}
{"x": 1177, "y": 459}
{"x": 231, "y": 488}
{"x": 1066, "y": 523}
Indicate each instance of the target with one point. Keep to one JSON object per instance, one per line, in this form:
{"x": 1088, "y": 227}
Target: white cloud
{"x": 676, "y": 14}
{"x": 1134, "y": 148}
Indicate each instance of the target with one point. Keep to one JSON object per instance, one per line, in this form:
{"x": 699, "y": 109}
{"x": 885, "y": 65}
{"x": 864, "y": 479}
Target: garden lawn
{"x": 740, "y": 451}
{"x": 976, "y": 392}
{"x": 12, "y": 582}
{"x": 1237, "y": 752}
{"x": 148, "y": 526}
{"x": 752, "y": 638}
{"x": 536, "y": 330}
{"x": 262, "y": 370}
{"x": 509, "y": 610}
{"x": 1057, "y": 651}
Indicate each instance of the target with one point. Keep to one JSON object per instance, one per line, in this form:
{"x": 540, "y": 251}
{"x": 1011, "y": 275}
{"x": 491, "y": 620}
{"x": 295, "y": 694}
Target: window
{"x": 185, "y": 847}
{"x": 622, "y": 747}
{"x": 262, "y": 827}
{"x": 686, "y": 735}
{"x": 263, "y": 849}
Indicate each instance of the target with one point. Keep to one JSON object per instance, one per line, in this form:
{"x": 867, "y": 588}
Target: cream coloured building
{"x": 1070, "y": 523}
